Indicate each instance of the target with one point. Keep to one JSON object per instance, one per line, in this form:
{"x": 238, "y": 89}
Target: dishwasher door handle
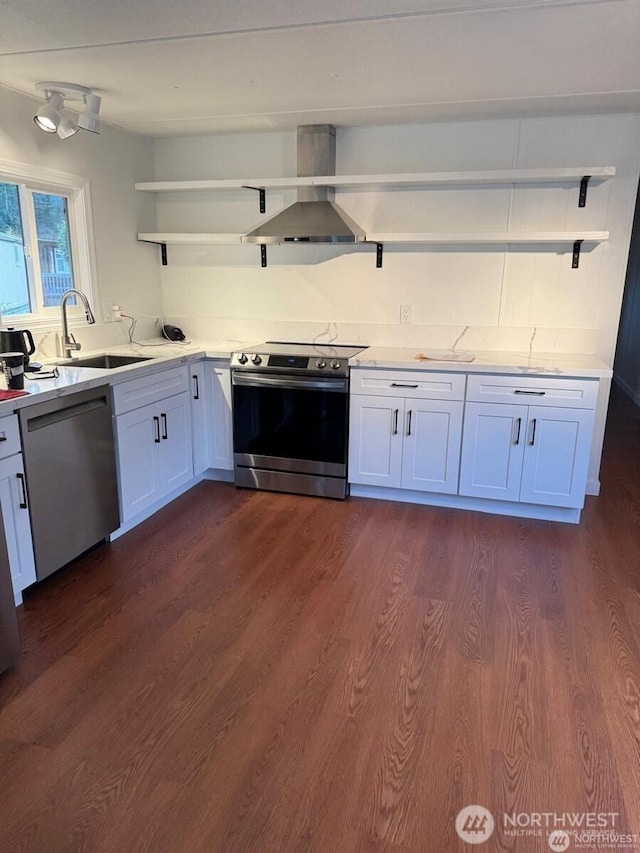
{"x": 64, "y": 413}
{"x": 23, "y": 502}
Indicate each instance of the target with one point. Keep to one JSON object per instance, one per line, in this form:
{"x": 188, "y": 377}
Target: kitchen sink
{"x": 104, "y": 362}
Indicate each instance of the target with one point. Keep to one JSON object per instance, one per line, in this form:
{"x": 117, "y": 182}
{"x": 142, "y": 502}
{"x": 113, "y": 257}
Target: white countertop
{"x": 166, "y": 354}
{"x": 559, "y": 364}
{"x": 71, "y": 378}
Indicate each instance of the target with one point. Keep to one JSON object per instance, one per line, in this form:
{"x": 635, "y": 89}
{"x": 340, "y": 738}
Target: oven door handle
{"x": 256, "y": 380}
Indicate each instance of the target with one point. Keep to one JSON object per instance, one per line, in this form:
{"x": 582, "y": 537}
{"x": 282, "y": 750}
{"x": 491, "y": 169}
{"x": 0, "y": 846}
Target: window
{"x": 44, "y": 243}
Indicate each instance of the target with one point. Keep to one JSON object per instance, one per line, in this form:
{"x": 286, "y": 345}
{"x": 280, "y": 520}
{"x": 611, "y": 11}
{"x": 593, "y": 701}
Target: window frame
{"x": 77, "y": 191}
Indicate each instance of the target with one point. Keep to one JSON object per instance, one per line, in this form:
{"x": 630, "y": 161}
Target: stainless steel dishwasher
{"x": 70, "y": 471}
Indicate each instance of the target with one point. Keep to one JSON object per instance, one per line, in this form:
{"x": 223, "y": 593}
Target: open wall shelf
{"x": 580, "y": 176}
{"x": 391, "y": 181}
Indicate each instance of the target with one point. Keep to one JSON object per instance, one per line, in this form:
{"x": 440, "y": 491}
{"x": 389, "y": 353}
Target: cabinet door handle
{"x": 196, "y": 385}
{"x": 3, "y": 437}
{"x": 165, "y": 435}
{"x": 518, "y": 422}
{"x": 533, "y": 431}
{"x": 409, "y": 422}
{"x": 156, "y": 423}
{"x": 531, "y": 393}
{"x": 395, "y": 421}
{"x": 23, "y": 502}
{"x": 402, "y": 385}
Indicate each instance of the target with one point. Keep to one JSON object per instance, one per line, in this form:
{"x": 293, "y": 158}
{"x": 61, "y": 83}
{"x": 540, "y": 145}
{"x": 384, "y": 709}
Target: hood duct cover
{"x": 314, "y": 218}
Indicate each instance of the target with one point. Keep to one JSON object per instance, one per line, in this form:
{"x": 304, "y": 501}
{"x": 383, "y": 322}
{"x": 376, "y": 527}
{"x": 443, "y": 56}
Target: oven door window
{"x": 290, "y": 423}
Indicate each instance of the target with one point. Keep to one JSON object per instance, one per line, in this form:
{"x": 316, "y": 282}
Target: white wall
{"x": 127, "y": 271}
{"x": 510, "y": 300}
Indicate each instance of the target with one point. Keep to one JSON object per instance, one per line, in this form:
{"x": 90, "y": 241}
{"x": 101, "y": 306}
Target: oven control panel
{"x": 283, "y": 363}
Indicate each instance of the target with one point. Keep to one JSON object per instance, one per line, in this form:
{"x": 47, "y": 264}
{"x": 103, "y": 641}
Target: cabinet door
{"x": 175, "y": 437}
{"x": 556, "y": 458}
{"x": 375, "y": 441}
{"x": 219, "y": 421}
{"x": 431, "y": 448}
{"x": 492, "y": 451}
{"x": 200, "y": 438}
{"x": 138, "y": 436}
{"x": 17, "y": 526}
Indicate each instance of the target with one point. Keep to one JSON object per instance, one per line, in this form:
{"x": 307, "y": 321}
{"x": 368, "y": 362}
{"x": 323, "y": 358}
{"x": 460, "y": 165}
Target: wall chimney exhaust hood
{"x": 313, "y": 218}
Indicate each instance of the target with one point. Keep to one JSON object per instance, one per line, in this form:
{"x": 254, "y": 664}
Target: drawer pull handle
{"x": 409, "y": 423}
{"x": 196, "y": 395}
{"x": 531, "y": 393}
{"x": 3, "y": 437}
{"x": 401, "y": 385}
{"x": 519, "y": 425}
{"x": 395, "y": 421}
{"x": 23, "y": 502}
{"x": 165, "y": 434}
{"x": 533, "y": 431}
{"x": 156, "y": 422}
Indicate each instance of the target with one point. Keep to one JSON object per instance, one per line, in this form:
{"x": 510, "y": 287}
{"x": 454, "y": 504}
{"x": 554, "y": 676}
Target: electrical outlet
{"x": 405, "y": 313}
{"x": 116, "y": 313}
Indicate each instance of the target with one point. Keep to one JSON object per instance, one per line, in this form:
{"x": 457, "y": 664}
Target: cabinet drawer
{"x": 533, "y": 390}
{"x": 136, "y": 393}
{"x": 408, "y": 383}
{"x": 9, "y": 436}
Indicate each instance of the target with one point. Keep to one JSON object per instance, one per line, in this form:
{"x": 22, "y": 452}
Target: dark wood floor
{"x": 259, "y": 672}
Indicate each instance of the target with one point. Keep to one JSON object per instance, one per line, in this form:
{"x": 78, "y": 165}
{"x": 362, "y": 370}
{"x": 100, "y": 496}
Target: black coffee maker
{"x": 17, "y": 340}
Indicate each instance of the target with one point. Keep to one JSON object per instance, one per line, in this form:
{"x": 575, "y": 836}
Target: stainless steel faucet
{"x": 69, "y": 343}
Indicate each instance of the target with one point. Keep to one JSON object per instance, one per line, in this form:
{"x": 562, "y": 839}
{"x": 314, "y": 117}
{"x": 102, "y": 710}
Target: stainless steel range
{"x": 290, "y": 417}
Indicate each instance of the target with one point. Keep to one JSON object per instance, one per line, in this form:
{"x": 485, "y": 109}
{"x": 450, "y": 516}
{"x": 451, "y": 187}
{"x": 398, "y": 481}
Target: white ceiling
{"x": 200, "y": 66}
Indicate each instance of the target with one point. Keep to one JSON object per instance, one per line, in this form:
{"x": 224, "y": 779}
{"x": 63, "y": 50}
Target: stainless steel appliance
{"x": 314, "y": 218}
{"x": 9, "y": 637}
{"x": 290, "y": 417}
{"x": 70, "y": 469}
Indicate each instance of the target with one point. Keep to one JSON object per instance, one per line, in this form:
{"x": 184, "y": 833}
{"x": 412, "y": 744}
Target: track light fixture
{"x": 53, "y": 117}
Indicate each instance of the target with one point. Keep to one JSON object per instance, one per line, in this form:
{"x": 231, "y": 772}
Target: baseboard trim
{"x": 520, "y": 510}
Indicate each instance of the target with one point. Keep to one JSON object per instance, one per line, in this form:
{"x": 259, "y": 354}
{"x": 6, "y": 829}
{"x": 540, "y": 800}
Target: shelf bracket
{"x": 575, "y": 261}
{"x": 263, "y": 254}
{"x": 379, "y": 249}
{"x": 582, "y": 198}
{"x": 262, "y": 196}
{"x": 163, "y": 250}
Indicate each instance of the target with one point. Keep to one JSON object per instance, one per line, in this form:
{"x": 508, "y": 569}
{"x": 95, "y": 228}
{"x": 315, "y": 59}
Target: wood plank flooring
{"x": 258, "y": 672}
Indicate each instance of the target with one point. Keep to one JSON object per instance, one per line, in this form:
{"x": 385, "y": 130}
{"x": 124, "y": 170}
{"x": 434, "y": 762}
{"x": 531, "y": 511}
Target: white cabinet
{"x": 492, "y": 451}
{"x": 556, "y": 459}
{"x": 176, "y": 460}
{"x": 138, "y": 468}
{"x": 375, "y": 441}
{"x": 431, "y": 446}
{"x": 473, "y": 440}
{"x": 405, "y": 442}
{"x": 154, "y": 451}
{"x": 219, "y": 424}
{"x": 532, "y": 454}
{"x": 15, "y": 509}
{"x": 199, "y": 420}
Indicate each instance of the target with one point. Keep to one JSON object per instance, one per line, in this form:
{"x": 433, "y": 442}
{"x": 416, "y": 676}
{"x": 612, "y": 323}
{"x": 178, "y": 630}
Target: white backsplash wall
{"x": 509, "y": 300}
